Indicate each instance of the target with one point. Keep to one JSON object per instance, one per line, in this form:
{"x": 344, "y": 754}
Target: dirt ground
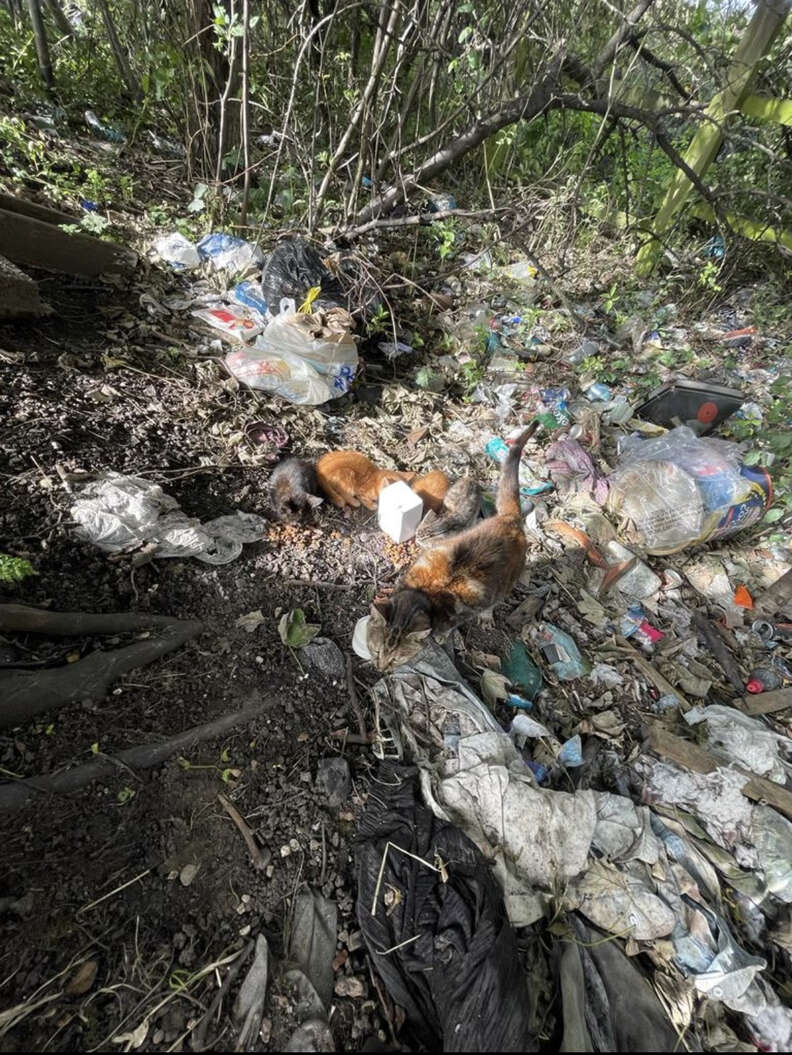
{"x": 125, "y": 844}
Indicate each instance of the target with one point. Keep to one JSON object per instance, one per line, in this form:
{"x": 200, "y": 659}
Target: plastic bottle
{"x": 597, "y": 392}
{"x": 763, "y": 679}
{"x": 522, "y": 672}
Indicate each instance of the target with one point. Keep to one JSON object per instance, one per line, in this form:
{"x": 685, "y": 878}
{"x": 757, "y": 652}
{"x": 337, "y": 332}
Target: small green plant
{"x": 379, "y": 320}
{"x": 708, "y": 277}
{"x": 445, "y": 235}
{"x": 125, "y": 795}
{"x": 14, "y": 569}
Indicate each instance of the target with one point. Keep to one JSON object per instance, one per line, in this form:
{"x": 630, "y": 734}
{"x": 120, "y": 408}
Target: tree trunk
{"x": 119, "y": 54}
{"x": 42, "y": 47}
{"x": 61, "y": 21}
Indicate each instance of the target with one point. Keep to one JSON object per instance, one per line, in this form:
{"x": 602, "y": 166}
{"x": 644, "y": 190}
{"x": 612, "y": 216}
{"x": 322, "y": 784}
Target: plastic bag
{"x": 228, "y": 253}
{"x": 307, "y": 359}
{"x": 118, "y": 513}
{"x": 239, "y": 325}
{"x": 292, "y": 269}
{"x": 177, "y": 251}
{"x": 679, "y": 489}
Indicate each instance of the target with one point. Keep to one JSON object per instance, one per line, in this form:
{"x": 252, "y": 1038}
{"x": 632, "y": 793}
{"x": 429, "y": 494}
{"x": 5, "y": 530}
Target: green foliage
{"x": 14, "y": 569}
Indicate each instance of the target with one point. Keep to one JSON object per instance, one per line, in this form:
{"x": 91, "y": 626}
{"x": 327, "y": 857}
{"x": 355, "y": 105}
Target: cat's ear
{"x": 420, "y": 635}
{"x": 314, "y": 501}
{"x": 383, "y": 606}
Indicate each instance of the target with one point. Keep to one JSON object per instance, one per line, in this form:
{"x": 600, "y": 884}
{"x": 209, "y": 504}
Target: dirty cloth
{"x": 608, "y": 1005}
{"x": 457, "y": 974}
{"x": 118, "y": 513}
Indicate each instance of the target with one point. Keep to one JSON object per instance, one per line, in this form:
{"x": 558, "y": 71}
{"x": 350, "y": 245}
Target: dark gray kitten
{"x": 461, "y": 507}
{"x": 293, "y": 489}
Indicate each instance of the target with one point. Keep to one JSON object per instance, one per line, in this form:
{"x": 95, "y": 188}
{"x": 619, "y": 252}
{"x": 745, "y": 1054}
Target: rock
{"x": 325, "y": 658}
{"x": 82, "y": 979}
{"x": 333, "y": 780}
{"x": 19, "y": 294}
{"x": 187, "y": 874}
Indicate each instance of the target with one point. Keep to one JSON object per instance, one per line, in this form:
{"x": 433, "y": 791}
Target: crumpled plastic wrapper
{"x": 120, "y": 513}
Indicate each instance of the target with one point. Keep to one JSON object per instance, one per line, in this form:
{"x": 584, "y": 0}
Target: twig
{"x": 393, "y": 948}
{"x": 355, "y": 702}
{"x": 112, "y": 893}
{"x": 260, "y": 860}
{"x": 392, "y": 846}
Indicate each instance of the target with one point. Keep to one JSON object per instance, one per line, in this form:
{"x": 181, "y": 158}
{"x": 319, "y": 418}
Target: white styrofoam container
{"x": 400, "y": 511}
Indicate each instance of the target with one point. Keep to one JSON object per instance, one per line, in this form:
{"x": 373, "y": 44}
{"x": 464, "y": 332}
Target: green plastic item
{"x": 522, "y": 672}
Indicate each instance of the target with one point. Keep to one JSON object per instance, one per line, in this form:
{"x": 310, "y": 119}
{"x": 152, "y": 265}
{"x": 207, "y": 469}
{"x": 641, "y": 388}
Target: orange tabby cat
{"x": 432, "y": 488}
{"x": 349, "y": 478}
{"x": 457, "y": 578}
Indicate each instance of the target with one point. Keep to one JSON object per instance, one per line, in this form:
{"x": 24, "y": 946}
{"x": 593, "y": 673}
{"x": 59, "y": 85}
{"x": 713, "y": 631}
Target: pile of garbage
{"x": 641, "y": 885}
{"x": 286, "y": 315}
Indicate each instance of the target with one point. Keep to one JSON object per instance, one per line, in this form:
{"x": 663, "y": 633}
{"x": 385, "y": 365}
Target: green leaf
{"x": 125, "y": 794}
{"x": 294, "y": 631}
{"x": 752, "y": 458}
{"x": 95, "y": 747}
{"x": 465, "y": 34}
{"x": 772, "y": 515}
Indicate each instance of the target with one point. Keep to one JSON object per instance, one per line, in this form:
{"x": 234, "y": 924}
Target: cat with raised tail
{"x": 455, "y": 579}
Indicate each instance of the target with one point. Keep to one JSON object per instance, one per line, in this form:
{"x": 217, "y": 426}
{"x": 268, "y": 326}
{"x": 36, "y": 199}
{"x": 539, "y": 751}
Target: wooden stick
{"x": 765, "y": 702}
{"x": 260, "y": 860}
{"x": 690, "y": 756}
{"x": 16, "y": 796}
{"x": 717, "y": 647}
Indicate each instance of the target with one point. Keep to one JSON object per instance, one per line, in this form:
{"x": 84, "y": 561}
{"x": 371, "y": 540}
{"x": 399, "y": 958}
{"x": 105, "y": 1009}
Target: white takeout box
{"x": 400, "y": 511}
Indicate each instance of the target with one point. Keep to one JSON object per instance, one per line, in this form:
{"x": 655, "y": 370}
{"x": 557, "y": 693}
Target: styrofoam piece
{"x": 400, "y": 511}
{"x": 360, "y": 638}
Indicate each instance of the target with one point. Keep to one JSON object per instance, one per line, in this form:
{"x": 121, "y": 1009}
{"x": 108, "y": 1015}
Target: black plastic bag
{"x": 294, "y": 267}
{"x": 457, "y": 974}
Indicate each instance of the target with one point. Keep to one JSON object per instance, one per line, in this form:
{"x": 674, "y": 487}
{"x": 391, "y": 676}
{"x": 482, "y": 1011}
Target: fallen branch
{"x": 260, "y": 860}
{"x": 16, "y": 796}
{"x": 27, "y": 693}
{"x": 419, "y": 220}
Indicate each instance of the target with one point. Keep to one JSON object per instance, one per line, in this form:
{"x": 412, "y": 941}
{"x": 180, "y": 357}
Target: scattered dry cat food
{"x": 400, "y": 554}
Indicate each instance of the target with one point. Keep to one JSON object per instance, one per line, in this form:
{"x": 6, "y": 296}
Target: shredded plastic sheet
{"x": 118, "y": 513}
{"x": 737, "y": 737}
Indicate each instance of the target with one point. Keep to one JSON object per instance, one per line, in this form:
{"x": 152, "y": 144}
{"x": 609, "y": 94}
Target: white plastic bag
{"x": 228, "y": 253}
{"x": 288, "y": 361}
{"x": 177, "y": 251}
{"x": 118, "y": 513}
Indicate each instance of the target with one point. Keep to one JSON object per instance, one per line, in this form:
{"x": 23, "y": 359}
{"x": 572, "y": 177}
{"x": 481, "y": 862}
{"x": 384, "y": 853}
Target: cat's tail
{"x": 508, "y": 501}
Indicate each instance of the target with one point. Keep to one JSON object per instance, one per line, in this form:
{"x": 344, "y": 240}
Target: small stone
{"x": 187, "y": 874}
{"x": 82, "y": 979}
{"x": 285, "y": 850}
{"x": 294, "y": 846}
{"x": 325, "y": 658}
{"x": 266, "y": 1030}
{"x": 355, "y": 941}
{"x": 333, "y": 780}
{"x": 270, "y": 871}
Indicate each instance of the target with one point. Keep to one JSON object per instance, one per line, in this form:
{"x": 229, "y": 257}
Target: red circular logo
{"x": 707, "y": 413}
